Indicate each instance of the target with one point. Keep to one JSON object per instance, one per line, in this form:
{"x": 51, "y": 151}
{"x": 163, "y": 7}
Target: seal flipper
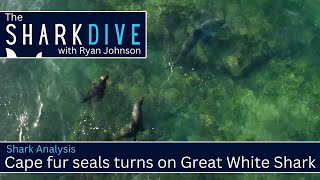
{"x": 101, "y": 91}
{"x": 91, "y": 93}
{"x": 100, "y": 96}
{"x": 86, "y": 98}
{"x": 141, "y": 127}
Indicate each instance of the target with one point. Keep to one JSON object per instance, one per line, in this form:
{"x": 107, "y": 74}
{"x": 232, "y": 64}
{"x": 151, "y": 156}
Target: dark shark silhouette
{"x": 208, "y": 28}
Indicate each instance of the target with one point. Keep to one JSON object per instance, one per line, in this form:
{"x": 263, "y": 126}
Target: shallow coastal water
{"x": 257, "y": 79}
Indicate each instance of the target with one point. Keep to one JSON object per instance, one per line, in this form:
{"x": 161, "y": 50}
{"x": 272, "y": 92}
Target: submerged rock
{"x": 232, "y": 63}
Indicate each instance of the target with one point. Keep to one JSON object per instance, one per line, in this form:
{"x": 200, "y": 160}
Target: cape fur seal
{"x": 135, "y": 125}
{"x": 97, "y": 89}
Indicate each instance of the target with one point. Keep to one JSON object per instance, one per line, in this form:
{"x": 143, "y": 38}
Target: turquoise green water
{"x": 257, "y": 79}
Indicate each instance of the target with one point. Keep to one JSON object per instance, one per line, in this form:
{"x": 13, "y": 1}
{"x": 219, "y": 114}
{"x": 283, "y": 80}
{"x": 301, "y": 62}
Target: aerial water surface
{"x": 255, "y": 79}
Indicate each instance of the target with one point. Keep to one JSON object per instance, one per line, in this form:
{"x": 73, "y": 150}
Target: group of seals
{"x": 97, "y": 90}
{"x": 135, "y": 125}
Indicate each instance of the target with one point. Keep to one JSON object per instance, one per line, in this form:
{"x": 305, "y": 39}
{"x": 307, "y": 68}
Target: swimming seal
{"x": 208, "y": 28}
{"x": 97, "y": 89}
{"x": 131, "y": 130}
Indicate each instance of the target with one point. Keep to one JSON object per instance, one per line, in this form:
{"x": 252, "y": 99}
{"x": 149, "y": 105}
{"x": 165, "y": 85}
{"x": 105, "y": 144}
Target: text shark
{"x": 60, "y": 31}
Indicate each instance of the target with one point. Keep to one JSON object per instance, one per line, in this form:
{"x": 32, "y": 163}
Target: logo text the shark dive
{"x": 56, "y": 34}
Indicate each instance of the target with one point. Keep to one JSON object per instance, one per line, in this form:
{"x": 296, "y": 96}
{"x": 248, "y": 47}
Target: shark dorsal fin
{"x": 10, "y": 53}
{"x": 39, "y": 55}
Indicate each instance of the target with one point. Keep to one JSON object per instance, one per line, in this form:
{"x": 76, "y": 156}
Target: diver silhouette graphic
{"x": 12, "y": 54}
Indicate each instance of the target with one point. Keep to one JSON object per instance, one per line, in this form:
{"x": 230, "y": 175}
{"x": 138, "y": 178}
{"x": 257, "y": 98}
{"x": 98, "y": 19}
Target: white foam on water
{"x": 52, "y": 66}
{"x": 169, "y": 77}
{"x": 3, "y": 61}
{"x": 40, "y": 105}
{"x": 64, "y": 136}
{"x": 23, "y": 126}
{"x": 54, "y": 92}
